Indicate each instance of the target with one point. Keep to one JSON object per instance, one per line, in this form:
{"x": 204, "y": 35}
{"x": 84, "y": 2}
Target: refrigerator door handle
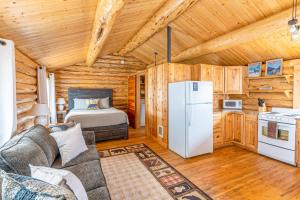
{"x": 189, "y": 117}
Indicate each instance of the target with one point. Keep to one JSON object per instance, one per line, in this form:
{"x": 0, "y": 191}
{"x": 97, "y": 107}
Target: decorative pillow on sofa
{"x": 61, "y": 127}
{"x": 70, "y": 143}
{"x": 60, "y": 177}
{"x": 24, "y": 188}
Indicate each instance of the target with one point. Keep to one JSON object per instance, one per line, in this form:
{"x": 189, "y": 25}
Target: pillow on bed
{"x": 104, "y": 103}
{"x": 81, "y": 104}
{"x": 93, "y": 104}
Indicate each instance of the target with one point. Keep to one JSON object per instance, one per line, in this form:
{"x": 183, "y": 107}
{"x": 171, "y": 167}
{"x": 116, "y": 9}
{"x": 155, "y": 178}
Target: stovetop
{"x": 289, "y": 117}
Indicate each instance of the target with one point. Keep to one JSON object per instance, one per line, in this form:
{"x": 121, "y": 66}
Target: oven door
{"x": 285, "y": 137}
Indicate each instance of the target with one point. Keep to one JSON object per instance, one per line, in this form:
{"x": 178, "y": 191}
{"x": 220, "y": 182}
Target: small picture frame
{"x": 274, "y": 67}
{"x": 254, "y": 69}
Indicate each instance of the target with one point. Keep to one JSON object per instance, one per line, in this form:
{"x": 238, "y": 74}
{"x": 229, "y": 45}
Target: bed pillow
{"x": 60, "y": 177}
{"x": 70, "y": 143}
{"x": 16, "y": 186}
{"x": 104, "y": 103}
{"x": 93, "y": 104}
{"x": 81, "y": 104}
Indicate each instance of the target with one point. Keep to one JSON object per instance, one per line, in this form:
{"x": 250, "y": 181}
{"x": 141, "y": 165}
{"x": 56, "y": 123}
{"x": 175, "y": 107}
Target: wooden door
{"x": 132, "y": 100}
{"x": 238, "y": 131}
{"x": 229, "y": 127}
{"x": 234, "y": 80}
{"x": 206, "y": 72}
{"x": 251, "y": 132}
{"x": 218, "y": 79}
{"x": 218, "y": 129}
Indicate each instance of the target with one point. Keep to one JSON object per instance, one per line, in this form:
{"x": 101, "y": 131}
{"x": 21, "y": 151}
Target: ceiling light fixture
{"x": 293, "y": 23}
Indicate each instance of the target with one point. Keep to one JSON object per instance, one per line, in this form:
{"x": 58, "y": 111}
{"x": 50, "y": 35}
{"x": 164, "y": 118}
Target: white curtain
{"x": 8, "y": 110}
{"x": 52, "y": 98}
{"x": 42, "y": 85}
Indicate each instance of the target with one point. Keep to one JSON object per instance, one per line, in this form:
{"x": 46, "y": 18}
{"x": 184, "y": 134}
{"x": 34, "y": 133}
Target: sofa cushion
{"x": 89, "y": 173}
{"x": 99, "y": 193}
{"x": 89, "y": 155}
{"x": 17, "y": 154}
{"x": 40, "y": 135}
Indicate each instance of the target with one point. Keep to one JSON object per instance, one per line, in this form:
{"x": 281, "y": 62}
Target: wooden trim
{"x": 106, "y": 13}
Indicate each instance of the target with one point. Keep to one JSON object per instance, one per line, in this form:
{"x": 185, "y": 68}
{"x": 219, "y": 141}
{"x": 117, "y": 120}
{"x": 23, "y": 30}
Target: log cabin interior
{"x": 150, "y": 99}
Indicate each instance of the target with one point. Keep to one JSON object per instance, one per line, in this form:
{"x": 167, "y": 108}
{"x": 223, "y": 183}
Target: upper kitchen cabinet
{"x": 234, "y": 79}
{"x": 203, "y": 72}
{"x": 218, "y": 79}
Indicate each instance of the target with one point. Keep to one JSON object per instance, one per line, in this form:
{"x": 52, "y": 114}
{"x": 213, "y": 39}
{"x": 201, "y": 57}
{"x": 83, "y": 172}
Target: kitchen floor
{"x": 228, "y": 173}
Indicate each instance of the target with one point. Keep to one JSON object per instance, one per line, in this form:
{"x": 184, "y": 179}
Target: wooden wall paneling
{"x": 26, "y": 88}
{"x": 151, "y": 125}
{"x": 162, "y": 72}
{"x": 196, "y": 72}
{"x": 132, "y": 100}
{"x": 179, "y": 72}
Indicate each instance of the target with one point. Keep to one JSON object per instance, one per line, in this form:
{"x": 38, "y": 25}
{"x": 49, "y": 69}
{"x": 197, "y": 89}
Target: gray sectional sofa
{"x": 36, "y": 147}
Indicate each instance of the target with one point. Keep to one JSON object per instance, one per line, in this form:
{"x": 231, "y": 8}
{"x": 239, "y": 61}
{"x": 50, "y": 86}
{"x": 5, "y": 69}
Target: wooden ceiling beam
{"x": 166, "y": 14}
{"x": 106, "y": 13}
{"x": 263, "y": 28}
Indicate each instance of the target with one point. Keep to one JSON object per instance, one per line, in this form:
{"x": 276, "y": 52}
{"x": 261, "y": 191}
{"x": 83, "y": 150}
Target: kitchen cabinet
{"x": 215, "y": 74}
{"x": 218, "y": 129}
{"x": 229, "y": 127}
{"x": 251, "y": 131}
{"x": 218, "y": 79}
{"x": 206, "y": 73}
{"x": 234, "y": 80}
{"x": 238, "y": 124}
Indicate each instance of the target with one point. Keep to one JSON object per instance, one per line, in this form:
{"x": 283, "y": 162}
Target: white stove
{"x": 281, "y": 144}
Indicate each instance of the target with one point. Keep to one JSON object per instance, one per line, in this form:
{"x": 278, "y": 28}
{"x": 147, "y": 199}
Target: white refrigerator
{"x": 191, "y": 118}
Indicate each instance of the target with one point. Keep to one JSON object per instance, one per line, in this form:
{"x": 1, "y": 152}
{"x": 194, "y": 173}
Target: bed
{"x": 107, "y": 124}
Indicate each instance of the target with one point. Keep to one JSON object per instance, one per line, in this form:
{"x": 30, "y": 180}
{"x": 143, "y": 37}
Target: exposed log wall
{"x": 107, "y": 72}
{"x": 26, "y": 79}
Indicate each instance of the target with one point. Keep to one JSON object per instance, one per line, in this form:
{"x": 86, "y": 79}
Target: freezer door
{"x": 199, "y": 92}
{"x": 177, "y": 118}
{"x": 199, "y": 129}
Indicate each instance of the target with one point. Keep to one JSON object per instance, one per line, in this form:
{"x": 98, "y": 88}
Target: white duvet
{"x": 95, "y": 118}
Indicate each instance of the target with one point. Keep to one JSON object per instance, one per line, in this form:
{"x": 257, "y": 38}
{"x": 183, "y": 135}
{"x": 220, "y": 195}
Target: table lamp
{"x": 61, "y": 102}
{"x": 41, "y": 111}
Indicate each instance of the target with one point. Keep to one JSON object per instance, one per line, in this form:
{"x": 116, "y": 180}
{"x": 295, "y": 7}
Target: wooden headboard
{"x": 88, "y": 93}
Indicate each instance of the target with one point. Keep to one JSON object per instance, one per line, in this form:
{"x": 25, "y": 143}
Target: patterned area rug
{"x": 135, "y": 172}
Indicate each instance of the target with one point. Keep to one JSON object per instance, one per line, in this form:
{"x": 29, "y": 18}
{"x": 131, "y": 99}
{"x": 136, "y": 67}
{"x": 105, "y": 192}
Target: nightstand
{"x": 61, "y": 116}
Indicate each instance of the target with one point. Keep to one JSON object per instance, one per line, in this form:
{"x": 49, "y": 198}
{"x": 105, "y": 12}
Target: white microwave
{"x": 233, "y": 104}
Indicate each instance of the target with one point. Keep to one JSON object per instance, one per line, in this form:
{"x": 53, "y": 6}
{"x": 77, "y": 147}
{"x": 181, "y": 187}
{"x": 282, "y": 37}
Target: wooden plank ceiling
{"x": 57, "y": 33}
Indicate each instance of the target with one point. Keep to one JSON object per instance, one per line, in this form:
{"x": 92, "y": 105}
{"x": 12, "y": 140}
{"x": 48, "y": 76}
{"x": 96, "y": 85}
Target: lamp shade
{"x": 61, "y": 101}
{"x": 39, "y": 110}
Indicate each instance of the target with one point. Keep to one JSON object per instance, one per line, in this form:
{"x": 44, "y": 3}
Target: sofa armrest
{"x": 89, "y": 137}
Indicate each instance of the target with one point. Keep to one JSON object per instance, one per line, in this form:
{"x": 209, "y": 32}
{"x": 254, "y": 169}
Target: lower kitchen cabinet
{"x": 218, "y": 129}
{"x": 251, "y": 128}
{"x": 235, "y": 128}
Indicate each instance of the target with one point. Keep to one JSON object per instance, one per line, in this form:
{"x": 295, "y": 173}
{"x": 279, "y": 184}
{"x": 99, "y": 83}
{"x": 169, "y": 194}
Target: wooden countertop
{"x": 236, "y": 111}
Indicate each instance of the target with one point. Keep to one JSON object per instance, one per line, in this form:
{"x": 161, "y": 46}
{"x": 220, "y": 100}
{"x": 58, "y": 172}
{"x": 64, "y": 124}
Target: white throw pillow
{"x": 104, "y": 103}
{"x": 81, "y": 104}
{"x": 57, "y": 176}
{"x": 70, "y": 143}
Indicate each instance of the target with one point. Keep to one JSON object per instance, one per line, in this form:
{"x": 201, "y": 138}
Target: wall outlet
{"x": 161, "y": 131}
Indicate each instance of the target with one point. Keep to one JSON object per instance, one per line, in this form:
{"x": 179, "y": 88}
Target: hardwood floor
{"x": 228, "y": 173}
